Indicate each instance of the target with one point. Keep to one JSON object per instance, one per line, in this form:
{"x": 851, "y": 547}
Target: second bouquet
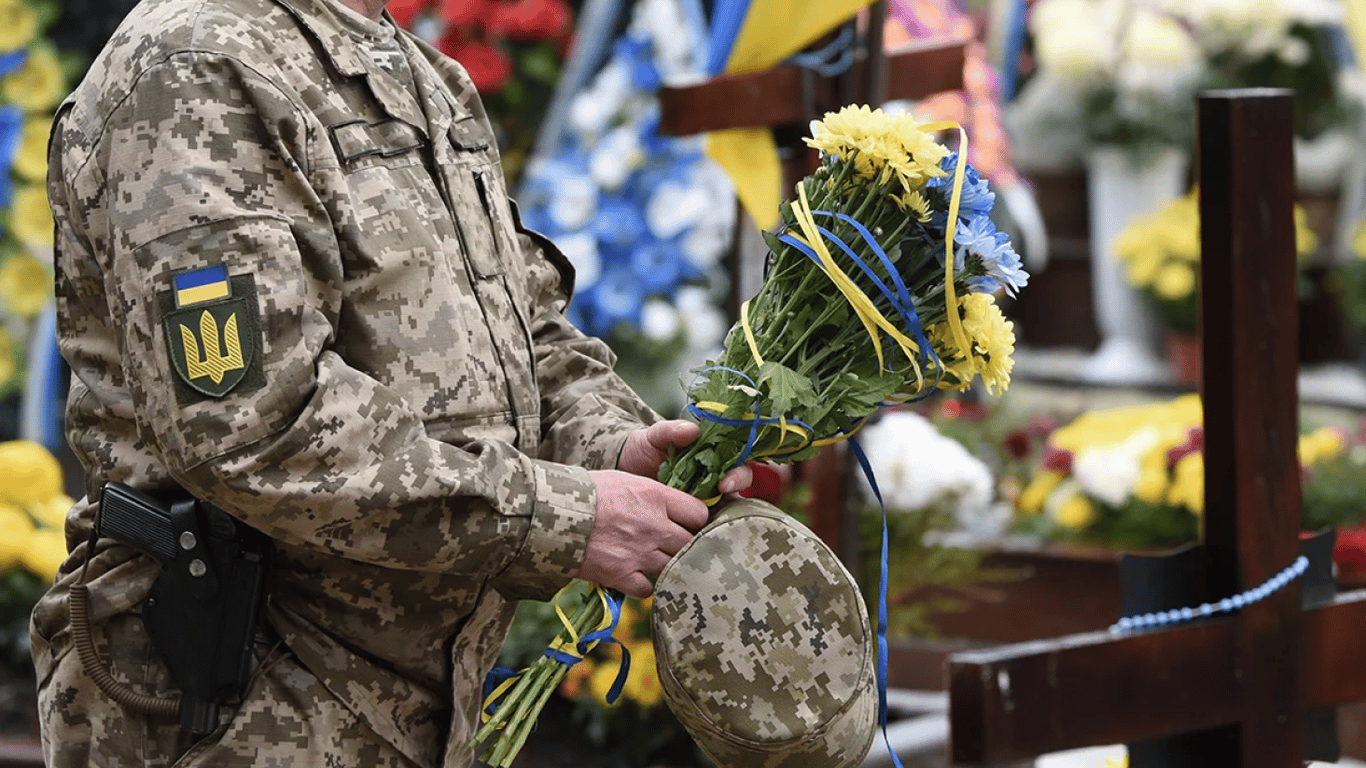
{"x": 879, "y": 288}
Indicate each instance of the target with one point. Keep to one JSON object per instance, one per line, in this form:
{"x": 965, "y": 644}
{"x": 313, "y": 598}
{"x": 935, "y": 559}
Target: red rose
{"x": 487, "y": 66}
{"x": 1017, "y": 443}
{"x": 529, "y": 19}
{"x": 404, "y": 11}
{"x": 1057, "y": 459}
{"x": 1350, "y": 551}
{"x": 459, "y": 13}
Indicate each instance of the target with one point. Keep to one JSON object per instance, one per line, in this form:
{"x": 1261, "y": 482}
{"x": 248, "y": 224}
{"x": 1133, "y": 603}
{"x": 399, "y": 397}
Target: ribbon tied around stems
{"x": 567, "y": 651}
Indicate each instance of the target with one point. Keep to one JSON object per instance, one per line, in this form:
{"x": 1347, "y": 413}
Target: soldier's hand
{"x": 640, "y": 525}
{"x": 647, "y": 448}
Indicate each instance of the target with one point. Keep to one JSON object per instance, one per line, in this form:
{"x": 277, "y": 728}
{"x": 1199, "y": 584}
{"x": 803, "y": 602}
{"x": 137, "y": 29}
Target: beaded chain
{"x": 1227, "y": 605}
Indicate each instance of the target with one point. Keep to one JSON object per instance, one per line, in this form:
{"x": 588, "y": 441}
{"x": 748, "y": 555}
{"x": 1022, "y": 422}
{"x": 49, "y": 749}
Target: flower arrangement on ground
{"x": 32, "y": 545}
{"x": 879, "y": 287}
{"x": 1133, "y": 477}
{"x": 1160, "y": 254}
{"x": 33, "y": 80}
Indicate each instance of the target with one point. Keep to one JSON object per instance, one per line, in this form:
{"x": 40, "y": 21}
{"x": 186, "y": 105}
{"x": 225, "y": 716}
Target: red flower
{"x": 1041, "y": 425}
{"x": 529, "y": 19}
{"x": 459, "y": 13}
{"x": 1057, "y": 459}
{"x": 1195, "y": 443}
{"x": 488, "y": 67}
{"x": 768, "y": 484}
{"x": 1350, "y": 551}
{"x": 404, "y": 11}
{"x": 1017, "y": 443}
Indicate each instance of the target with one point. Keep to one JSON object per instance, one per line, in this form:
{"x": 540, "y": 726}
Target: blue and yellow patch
{"x": 212, "y": 333}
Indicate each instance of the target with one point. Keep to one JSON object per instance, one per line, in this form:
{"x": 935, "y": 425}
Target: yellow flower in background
{"x": 18, "y": 25}
{"x": 31, "y": 216}
{"x": 38, "y": 85}
{"x": 1320, "y": 445}
{"x": 576, "y": 679}
{"x": 9, "y": 356}
{"x": 1123, "y": 762}
{"x": 29, "y": 475}
{"x": 1188, "y": 484}
{"x": 1175, "y": 282}
{"x": 16, "y": 528}
{"x": 1144, "y": 265}
{"x": 1034, "y": 495}
{"x": 642, "y": 684}
{"x": 52, "y": 513}
{"x": 25, "y": 284}
{"x": 30, "y": 161}
{"x": 1306, "y": 242}
{"x": 1075, "y": 513}
{"x": 45, "y": 553}
{"x": 1152, "y": 484}
{"x": 600, "y": 681}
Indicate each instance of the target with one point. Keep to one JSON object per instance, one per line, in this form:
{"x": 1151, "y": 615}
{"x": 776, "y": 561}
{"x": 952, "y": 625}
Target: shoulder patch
{"x": 213, "y": 333}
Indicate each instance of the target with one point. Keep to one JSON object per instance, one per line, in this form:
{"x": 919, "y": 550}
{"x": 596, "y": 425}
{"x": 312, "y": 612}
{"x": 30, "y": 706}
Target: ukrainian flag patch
{"x": 212, "y": 333}
{"x": 201, "y": 285}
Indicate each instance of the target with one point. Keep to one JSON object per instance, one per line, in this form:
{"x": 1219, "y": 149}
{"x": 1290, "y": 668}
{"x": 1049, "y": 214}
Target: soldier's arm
{"x": 587, "y": 411}
{"x": 207, "y": 166}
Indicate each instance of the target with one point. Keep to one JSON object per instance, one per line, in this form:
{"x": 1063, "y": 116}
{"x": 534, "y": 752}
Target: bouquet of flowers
{"x": 1161, "y": 257}
{"x": 879, "y": 288}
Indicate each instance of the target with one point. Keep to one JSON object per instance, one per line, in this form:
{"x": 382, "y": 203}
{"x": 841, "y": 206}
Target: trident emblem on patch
{"x": 211, "y": 363}
{"x": 211, "y": 330}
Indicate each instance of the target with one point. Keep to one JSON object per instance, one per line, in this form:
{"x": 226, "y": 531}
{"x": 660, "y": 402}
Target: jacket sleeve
{"x": 587, "y": 410}
{"x": 206, "y": 165}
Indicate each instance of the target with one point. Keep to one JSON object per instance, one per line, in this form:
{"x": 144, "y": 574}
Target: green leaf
{"x": 786, "y": 388}
{"x": 774, "y": 244}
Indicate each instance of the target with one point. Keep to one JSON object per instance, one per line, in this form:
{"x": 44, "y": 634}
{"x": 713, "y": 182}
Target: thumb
{"x": 674, "y": 433}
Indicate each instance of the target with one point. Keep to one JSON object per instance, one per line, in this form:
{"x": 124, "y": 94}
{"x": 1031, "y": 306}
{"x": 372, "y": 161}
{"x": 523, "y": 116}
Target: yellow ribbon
{"x": 960, "y": 337}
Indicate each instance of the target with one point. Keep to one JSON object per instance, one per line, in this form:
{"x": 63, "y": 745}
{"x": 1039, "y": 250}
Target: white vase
{"x": 1119, "y": 192}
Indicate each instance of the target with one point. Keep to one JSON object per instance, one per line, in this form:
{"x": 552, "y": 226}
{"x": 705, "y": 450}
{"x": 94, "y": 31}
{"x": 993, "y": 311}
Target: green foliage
{"x": 1335, "y": 491}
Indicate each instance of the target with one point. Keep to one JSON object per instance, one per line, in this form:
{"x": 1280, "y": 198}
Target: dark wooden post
{"x": 1248, "y": 317}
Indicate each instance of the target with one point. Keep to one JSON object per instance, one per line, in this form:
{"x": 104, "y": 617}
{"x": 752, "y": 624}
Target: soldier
{"x": 291, "y": 285}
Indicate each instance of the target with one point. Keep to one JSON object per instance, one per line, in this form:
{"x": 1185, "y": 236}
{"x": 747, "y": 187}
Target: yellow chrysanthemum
{"x": 28, "y": 473}
{"x": 1034, "y": 495}
{"x": 30, "y": 160}
{"x": 38, "y": 85}
{"x": 1320, "y": 445}
{"x": 876, "y": 140}
{"x": 45, "y": 553}
{"x": 18, "y": 25}
{"x": 16, "y": 528}
{"x": 1188, "y": 484}
{"x": 992, "y": 338}
{"x": 1151, "y": 487}
{"x": 1175, "y": 282}
{"x": 52, "y": 513}
{"x": 31, "y": 216}
{"x": 9, "y": 357}
{"x": 1306, "y": 242}
{"x": 916, "y": 203}
{"x": 642, "y": 684}
{"x": 1075, "y": 513}
{"x": 25, "y": 284}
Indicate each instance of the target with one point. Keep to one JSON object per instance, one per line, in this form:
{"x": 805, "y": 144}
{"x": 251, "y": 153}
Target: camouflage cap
{"x": 763, "y": 644}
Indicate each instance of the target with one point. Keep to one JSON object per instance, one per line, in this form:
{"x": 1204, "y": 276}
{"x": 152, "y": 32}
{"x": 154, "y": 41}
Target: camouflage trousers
{"x": 287, "y": 718}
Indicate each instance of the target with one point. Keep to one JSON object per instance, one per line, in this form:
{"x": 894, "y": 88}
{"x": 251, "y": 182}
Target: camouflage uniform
{"x": 382, "y": 380}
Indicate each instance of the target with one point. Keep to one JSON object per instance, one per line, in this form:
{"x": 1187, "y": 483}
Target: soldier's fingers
{"x": 636, "y": 585}
{"x": 737, "y": 479}
{"x": 671, "y": 434}
{"x": 685, "y": 510}
{"x": 655, "y": 562}
{"x": 673, "y": 539}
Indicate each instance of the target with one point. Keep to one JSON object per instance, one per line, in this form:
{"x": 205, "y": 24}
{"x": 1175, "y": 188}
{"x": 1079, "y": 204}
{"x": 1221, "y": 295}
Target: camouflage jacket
{"x": 290, "y": 281}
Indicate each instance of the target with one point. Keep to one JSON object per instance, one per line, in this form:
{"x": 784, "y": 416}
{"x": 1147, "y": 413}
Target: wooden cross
{"x": 1240, "y": 685}
{"x": 785, "y": 99}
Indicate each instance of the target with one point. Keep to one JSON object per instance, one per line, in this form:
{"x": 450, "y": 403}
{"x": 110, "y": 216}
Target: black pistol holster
{"x": 202, "y": 612}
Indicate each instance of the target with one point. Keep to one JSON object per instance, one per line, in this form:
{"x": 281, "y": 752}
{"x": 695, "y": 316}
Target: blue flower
{"x": 616, "y": 298}
{"x": 12, "y": 61}
{"x": 661, "y": 268}
{"x": 977, "y": 199}
{"x": 11, "y": 133}
{"x": 978, "y": 248}
{"x": 619, "y": 227}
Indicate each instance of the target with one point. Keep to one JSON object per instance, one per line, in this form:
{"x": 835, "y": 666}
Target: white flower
{"x": 615, "y": 157}
{"x": 574, "y": 202}
{"x": 917, "y": 469}
{"x": 1109, "y": 473}
{"x": 581, "y": 248}
{"x": 659, "y": 320}
{"x": 592, "y": 109}
{"x": 675, "y": 206}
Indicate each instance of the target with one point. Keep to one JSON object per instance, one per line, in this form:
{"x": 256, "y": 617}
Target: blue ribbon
{"x": 881, "y": 603}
